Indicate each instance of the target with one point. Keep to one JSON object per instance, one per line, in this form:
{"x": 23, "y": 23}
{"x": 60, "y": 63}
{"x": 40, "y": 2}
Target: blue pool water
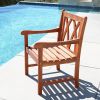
{"x": 14, "y": 19}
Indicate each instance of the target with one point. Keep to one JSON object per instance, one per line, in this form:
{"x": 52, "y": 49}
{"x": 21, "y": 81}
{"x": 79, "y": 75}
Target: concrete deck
{"x": 14, "y": 85}
{"x": 91, "y": 3}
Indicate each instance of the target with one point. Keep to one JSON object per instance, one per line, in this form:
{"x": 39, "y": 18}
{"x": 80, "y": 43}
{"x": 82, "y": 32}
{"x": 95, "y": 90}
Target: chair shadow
{"x": 67, "y": 91}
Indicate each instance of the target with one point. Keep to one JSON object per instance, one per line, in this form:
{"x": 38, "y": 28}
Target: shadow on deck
{"x": 67, "y": 91}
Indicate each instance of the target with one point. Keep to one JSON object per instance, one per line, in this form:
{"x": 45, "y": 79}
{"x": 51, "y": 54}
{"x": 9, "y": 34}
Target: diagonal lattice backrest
{"x": 71, "y": 27}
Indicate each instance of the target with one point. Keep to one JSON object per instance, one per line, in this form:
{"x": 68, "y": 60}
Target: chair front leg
{"x": 40, "y": 54}
{"x": 39, "y": 79}
{"x": 76, "y": 74}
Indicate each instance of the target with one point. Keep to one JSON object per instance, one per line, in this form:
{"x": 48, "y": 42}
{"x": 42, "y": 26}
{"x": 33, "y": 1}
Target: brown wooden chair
{"x": 67, "y": 49}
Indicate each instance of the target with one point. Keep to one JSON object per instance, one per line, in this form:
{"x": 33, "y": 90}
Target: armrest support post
{"x": 26, "y": 54}
{"x": 25, "y": 41}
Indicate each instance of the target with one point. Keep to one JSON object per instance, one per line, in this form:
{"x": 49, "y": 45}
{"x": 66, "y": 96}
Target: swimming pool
{"x": 14, "y": 19}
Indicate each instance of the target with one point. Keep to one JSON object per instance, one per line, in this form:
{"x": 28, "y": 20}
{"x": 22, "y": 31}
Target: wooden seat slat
{"x": 61, "y": 52}
{"x": 34, "y": 52}
{"x": 65, "y": 49}
{"x": 56, "y": 53}
{"x": 50, "y": 54}
{"x": 47, "y": 56}
{"x": 33, "y": 55}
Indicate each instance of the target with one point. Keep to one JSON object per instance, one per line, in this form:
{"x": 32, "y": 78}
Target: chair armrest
{"x": 26, "y": 32}
{"x": 52, "y": 44}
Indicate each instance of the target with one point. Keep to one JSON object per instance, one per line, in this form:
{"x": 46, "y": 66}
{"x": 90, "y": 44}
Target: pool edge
{"x": 58, "y": 5}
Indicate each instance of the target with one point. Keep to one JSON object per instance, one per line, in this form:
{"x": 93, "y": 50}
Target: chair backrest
{"x": 72, "y": 27}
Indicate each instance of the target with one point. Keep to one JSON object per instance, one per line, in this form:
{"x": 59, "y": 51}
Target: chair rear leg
{"x": 26, "y": 63}
{"x": 58, "y": 67}
{"x": 76, "y": 74}
{"x": 39, "y": 79}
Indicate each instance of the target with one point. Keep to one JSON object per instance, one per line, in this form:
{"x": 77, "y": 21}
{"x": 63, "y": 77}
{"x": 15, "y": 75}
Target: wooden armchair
{"x": 67, "y": 49}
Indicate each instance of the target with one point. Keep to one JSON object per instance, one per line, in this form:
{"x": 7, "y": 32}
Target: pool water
{"x": 14, "y": 19}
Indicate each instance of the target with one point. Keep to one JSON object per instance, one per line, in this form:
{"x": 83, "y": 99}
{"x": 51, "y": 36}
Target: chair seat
{"x": 58, "y": 53}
